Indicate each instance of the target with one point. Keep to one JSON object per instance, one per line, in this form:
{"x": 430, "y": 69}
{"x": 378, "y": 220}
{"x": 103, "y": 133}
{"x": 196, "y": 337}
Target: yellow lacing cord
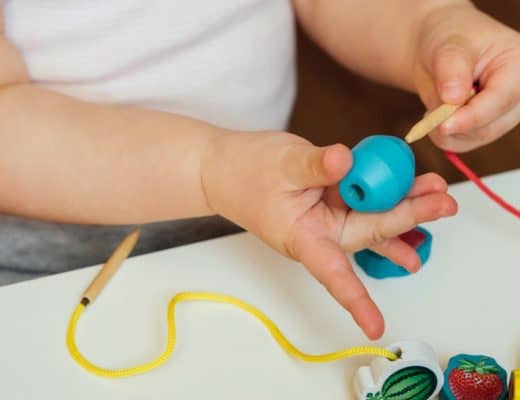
{"x": 170, "y": 344}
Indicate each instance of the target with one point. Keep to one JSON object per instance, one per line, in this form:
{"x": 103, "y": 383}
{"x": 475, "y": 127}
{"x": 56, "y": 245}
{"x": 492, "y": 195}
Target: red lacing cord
{"x": 459, "y": 164}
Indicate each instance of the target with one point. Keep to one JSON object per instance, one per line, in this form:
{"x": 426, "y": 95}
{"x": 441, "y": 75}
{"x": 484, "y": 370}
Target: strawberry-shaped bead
{"x": 470, "y": 377}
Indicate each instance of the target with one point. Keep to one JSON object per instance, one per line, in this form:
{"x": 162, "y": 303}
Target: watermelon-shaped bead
{"x": 411, "y": 383}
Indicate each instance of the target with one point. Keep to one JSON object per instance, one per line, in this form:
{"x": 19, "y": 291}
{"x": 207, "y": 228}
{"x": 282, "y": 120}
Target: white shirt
{"x": 228, "y": 62}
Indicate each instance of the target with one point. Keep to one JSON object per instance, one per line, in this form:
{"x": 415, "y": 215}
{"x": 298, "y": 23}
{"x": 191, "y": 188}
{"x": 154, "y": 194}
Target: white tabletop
{"x": 463, "y": 301}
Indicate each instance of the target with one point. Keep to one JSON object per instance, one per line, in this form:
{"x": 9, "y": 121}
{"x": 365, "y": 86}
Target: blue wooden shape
{"x": 379, "y": 267}
{"x": 382, "y": 174}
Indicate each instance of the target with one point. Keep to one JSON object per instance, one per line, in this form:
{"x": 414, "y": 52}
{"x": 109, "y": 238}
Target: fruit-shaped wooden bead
{"x": 474, "y": 377}
{"x": 415, "y": 375}
{"x": 412, "y": 383}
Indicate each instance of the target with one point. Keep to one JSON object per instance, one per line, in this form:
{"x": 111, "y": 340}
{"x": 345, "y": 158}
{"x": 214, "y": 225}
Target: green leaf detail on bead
{"x": 481, "y": 367}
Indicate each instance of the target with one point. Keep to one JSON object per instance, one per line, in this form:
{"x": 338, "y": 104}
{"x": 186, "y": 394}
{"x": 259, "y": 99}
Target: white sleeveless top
{"x": 228, "y": 62}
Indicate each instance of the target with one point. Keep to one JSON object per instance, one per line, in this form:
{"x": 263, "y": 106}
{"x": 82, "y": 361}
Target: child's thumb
{"x": 310, "y": 166}
{"x": 453, "y": 68}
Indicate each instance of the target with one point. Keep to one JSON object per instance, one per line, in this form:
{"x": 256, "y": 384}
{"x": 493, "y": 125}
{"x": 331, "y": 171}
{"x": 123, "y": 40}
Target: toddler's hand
{"x": 458, "y": 45}
{"x": 284, "y": 189}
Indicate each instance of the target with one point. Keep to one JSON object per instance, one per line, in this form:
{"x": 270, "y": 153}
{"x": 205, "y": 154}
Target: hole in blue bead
{"x": 357, "y": 193}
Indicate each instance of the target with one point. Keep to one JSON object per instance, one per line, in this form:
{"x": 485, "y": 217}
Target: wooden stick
{"x": 432, "y": 121}
{"x": 119, "y": 255}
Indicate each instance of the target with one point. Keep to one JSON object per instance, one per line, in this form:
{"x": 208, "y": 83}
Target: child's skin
{"x": 147, "y": 166}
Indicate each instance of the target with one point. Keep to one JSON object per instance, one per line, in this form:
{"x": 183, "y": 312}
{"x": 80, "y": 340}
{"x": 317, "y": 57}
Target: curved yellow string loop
{"x": 275, "y": 332}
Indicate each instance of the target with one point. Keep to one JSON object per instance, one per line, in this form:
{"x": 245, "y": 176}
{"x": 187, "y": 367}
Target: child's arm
{"x": 68, "y": 160}
{"x": 434, "y": 47}
{"x": 374, "y": 38}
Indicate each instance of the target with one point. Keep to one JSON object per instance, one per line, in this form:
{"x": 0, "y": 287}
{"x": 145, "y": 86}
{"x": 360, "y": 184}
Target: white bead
{"x": 371, "y": 378}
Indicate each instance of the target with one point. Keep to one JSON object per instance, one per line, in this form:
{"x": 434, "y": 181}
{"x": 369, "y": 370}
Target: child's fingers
{"x": 498, "y": 127}
{"x": 427, "y": 89}
{"x": 462, "y": 142}
{"x": 307, "y": 166}
{"x": 427, "y": 183}
{"x": 394, "y": 248}
{"x": 362, "y": 230}
{"x": 453, "y": 64}
{"x": 399, "y": 253}
{"x": 327, "y": 262}
{"x": 488, "y": 106}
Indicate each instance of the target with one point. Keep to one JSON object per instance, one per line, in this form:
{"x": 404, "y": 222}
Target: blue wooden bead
{"x": 380, "y": 267}
{"x": 382, "y": 174}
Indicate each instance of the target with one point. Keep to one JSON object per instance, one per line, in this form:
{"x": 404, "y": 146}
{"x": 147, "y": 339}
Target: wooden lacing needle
{"x": 432, "y": 121}
{"x": 119, "y": 255}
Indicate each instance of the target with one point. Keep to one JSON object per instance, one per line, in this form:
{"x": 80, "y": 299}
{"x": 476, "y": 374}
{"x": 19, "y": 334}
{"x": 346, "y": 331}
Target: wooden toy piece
{"x": 474, "y": 377}
{"x": 108, "y": 270}
{"x": 514, "y": 385}
{"x": 382, "y": 174}
{"x": 379, "y": 267}
{"x": 430, "y": 122}
{"x": 416, "y": 375}
{"x": 415, "y": 238}
{"x": 434, "y": 119}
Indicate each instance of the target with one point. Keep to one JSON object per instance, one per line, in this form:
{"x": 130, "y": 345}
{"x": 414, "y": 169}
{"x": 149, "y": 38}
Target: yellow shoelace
{"x": 275, "y": 332}
{"x": 111, "y": 267}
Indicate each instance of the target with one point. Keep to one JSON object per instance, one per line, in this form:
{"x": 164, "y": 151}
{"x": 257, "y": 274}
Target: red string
{"x": 459, "y": 164}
